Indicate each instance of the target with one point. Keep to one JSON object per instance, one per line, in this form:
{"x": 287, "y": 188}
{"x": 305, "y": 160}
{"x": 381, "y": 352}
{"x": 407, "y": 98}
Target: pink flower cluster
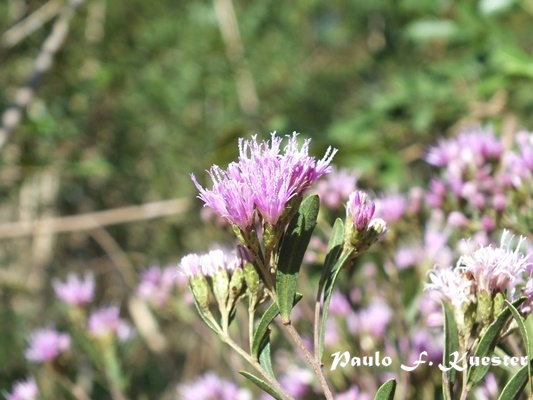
{"x": 487, "y": 269}
{"x": 264, "y": 179}
{"x": 479, "y": 177}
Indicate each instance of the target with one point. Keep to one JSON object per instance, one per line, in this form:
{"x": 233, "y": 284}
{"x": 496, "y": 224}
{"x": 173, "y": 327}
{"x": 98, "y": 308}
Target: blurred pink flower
{"x": 75, "y": 291}
{"x": 106, "y": 321}
{"x": 46, "y": 344}
{"x": 24, "y": 390}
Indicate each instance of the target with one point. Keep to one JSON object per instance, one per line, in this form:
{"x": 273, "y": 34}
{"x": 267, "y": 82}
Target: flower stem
{"x": 315, "y": 365}
{"x": 254, "y": 363}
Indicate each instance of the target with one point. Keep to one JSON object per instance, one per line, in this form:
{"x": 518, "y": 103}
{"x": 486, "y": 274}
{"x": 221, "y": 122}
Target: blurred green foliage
{"x": 144, "y": 93}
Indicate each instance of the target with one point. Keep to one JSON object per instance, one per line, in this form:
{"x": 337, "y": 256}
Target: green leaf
{"x": 386, "y": 391}
{"x": 292, "y": 253}
{"x": 523, "y": 331}
{"x": 516, "y": 384}
{"x": 264, "y": 356}
{"x": 327, "y": 298}
{"x": 489, "y": 341}
{"x": 451, "y": 339}
{"x": 214, "y": 328}
{"x": 262, "y": 331}
{"x": 261, "y": 384}
{"x": 335, "y": 244}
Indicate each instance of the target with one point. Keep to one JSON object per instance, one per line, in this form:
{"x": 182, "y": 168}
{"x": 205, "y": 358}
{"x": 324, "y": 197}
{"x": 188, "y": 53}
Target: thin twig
{"x": 95, "y": 220}
{"x": 43, "y": 62}
{"x": 30, "y": 24}
{"x": 316, "y": 366}
{"x": 229, "y": 28}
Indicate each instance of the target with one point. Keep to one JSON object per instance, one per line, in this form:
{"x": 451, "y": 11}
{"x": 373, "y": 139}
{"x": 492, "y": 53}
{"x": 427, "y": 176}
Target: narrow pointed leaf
{"x": 489, "y": 341}
{"x": 451, "y": 339}
{"x": 264, "y": 356}
{"x": 523, "y": 331}
{"x": 261, "y": 332}
{"x": 336, "y": 241}
{"x": 261, "y": 384}
{"x": 327, "y": 298}
{"x": 386, "y": 391}
{"x": 292, "y": 253}
{"x": 516, "y": 384}
{"x": 214, "y": 328}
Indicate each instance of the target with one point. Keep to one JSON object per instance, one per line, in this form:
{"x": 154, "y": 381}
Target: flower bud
{"x": 251, "y": 278}
{"x": 200, "y": 290}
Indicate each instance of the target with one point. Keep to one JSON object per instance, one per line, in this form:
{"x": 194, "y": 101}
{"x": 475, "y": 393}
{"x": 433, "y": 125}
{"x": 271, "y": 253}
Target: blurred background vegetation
{"x": 140, "y": 94}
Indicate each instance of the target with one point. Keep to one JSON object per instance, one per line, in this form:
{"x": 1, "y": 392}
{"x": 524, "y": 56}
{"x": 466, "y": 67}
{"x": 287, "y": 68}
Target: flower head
{"x": 265, "y": 178}
{"x": 336, "y": 188}
{"x": 156, "y": 284}
{"x": 360, "y": 209}
{"x": 211, "y": 387}
{"x": 24, "y": 390}
{"x": 496, "y": 269}
{"x": 75, "y": 291}
{"x": 47, "y": 344}
{"x": 452, "y": 283}
{"x": 106, "y": 321}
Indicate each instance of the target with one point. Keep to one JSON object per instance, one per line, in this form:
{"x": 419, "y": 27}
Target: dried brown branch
{"x": 95, "y": 220}
{"x": 229, "y": 28}
{"x": 43, "y": 62}
{"x": 30, "y": 24}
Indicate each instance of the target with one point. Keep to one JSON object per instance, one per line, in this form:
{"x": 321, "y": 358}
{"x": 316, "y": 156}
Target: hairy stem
{"x": 254, "y": 363}
{"x": 315, "y": 365}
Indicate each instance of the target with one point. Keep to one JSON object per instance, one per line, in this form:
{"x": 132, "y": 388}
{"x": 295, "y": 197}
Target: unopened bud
{"x": 251, "y": 277}
{"x": 200, "y": 290}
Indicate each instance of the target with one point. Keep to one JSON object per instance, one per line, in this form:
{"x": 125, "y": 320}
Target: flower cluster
{"x": 479, "y": 177}
{"x": 210, "y": 386}
{"x": 219, "y": 274}
{"x": 156, "y": 285}
{"x": 24, "y": 390}
{"x": 106, "y": 322}
{"x": 47, "y": 344}
{"x": 482, "y": 279}
{"x": 75, "y": 291}
{"x": 264, "y": 179}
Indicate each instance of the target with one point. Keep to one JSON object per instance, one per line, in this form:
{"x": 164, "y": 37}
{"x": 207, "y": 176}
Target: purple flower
{"x": 191, "y": 265}
{"x": 47, "y": 344}
{"x": 421, "y": 341}
{"x": 391, "y": 208}
{"x": 210, "y": 387}
{"x": 297, "y": 382}
{"x": 372, "y": 320}
{"x": 496, "y": 269}
{"x": 230, "y": 197}
{"x": 157, "y": 284}
{"x": 335, "y": 190}
{"x": 353, "y": 393}
{"x": 361, "y": 209}
{"x": 75, "y": 291}
{"x": 24, "y": 390}
{"x": 106, "y": 321}
{"x": 488, "y": 388}
{"x": 264, "y": 178}
{"x": 452, "y": 283}
{"x": 339, "y": 305}
{"x": 407, "y": 257}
